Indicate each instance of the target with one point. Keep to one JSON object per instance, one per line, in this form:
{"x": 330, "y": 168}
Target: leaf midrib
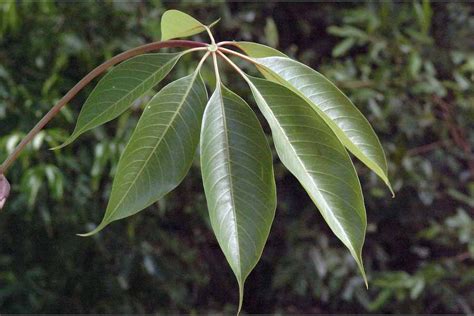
{"x": 304, "y": 168}
{"x": 341, "y": 136}
{"x": 188, "y": 90}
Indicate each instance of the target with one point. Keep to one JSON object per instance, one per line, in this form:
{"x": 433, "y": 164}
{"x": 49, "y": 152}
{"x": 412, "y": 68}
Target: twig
{"x": 427, "y": 148}
{"x": 457, "y": 133}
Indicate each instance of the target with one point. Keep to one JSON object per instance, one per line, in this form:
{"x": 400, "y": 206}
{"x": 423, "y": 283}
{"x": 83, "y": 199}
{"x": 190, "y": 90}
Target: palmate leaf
{"x": 315, "y": 156}
{"x": 337, "y": 110}
{"x": 120, "y": 87}
{"x": 161, "y": 149}
{"x": 237, "y": 171}
{"x": 311, "y": 120}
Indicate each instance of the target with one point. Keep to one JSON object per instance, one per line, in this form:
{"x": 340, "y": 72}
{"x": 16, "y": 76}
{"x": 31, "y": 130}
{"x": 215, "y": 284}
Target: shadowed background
{"x": 409, "y": 67}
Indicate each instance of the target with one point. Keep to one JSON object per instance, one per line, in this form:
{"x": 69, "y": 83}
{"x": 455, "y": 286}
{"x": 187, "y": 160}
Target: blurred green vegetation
{"x": 408, "y": 66}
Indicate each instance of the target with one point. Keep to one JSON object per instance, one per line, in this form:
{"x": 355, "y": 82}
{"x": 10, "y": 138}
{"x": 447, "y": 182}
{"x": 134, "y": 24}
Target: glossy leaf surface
{"x": 315, "y": 156}
{"x": 237, "y": 171}
{"x": 120, "y": 87}
{"x": 161, "y": 149}
{"x": 257, "y": 50}
{"x": 347, "y": 122}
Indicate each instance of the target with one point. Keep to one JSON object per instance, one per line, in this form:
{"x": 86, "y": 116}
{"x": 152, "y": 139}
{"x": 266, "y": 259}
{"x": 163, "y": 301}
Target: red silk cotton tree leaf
{"x": 4, "y": 190}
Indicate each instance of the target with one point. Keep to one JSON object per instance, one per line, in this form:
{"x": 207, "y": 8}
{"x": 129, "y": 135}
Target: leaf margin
{"x": 356, "y": 253}
{"x": 257, "y": 56}
{"x": 168, "y": 34}
{"x": 90, "y": 126}
{"x": 241, "y": 278}
{"x": 108, "y": 217}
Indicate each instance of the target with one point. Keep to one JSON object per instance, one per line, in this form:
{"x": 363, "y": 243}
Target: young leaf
{"x": 161, "y": 149}
{"x": 177, "y": 24}
{"x": 237, "y": 171}
{"x": 337, "y": 110}
{"x": 119, "y": 88}
{"x": 315, "y": 156}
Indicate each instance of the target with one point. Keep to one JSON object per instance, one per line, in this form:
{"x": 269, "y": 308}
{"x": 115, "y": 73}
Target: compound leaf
{"x": 161, "y": 149}
{"x": 119, "y": 88}
{"x": 237, "y": 171}
{"x": 315, "y": 156}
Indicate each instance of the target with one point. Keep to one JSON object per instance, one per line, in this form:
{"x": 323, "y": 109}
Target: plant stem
{"x": 87, "y": 79}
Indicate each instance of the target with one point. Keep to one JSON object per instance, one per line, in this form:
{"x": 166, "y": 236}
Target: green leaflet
{"x": 257, "y": 50}
{"x": 119, "y": 88}
{"x": 177, "y": 24}
{"x": 161, "y": 149}
{"x": 315, "y": 156}
{"x": 349, "y": 124}
{"x": 237, "y": 171}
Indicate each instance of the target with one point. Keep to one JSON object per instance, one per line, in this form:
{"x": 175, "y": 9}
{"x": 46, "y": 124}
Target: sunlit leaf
{"x": 177, "y": 24}
{"x": 120, "y": 87}
{"x": 237, "y": 171}
{"x": 346, "y": 121}
{"x": 161, "y": 149}
{"x": 315, "y": 156}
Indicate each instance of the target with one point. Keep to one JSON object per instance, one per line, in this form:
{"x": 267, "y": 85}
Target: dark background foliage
{"x": 408, "y": 66}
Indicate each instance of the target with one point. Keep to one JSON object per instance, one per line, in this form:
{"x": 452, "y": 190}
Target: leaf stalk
{"x": 233, "y": 52}
{"x": 216, "y": 68}
{"x": 208, "y": 29}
